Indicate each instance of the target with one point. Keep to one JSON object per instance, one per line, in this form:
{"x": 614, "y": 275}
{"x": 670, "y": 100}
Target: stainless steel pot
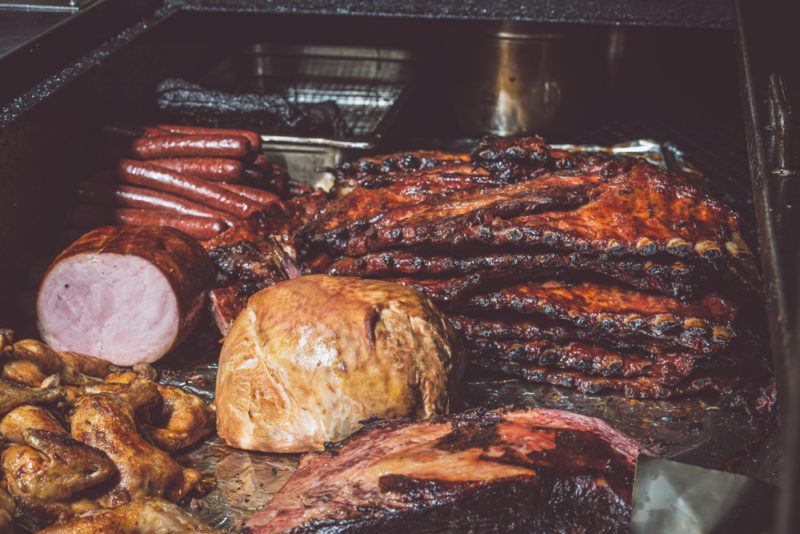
{"x": 512, "y": 78}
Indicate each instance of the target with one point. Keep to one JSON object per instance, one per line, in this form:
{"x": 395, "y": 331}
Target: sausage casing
{"x": 202, "y": 228}
{"x": 265, "y": 198}
{"x": 209, "y": 194}
{"x": 129, "y": 196}
{"x": 191, "y": 146}
{"x": 214, "y": 169}
{"x": 252, "y": 137}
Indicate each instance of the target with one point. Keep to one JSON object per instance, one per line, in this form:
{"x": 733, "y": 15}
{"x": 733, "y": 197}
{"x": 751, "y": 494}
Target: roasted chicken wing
{"x": 188, "y": 419}
{"x": 106, "y": 421}
{"x": 143, "y": 516}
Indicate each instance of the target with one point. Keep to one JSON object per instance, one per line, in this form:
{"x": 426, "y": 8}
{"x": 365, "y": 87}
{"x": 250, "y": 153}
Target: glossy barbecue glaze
{"x": 704, "y": 324}
{"x": 672, "y": 277}
{"x": 586, "y": 204}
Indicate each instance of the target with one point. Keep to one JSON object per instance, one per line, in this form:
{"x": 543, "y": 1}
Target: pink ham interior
{"x": 117, "y": 307}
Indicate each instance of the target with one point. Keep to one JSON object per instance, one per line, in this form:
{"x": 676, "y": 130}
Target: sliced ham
{"x": 124, "y": 294}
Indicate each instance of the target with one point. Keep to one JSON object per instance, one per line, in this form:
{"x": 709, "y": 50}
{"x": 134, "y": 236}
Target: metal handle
{"x": 784, "y": 191}
{"x": 779, "y": 127}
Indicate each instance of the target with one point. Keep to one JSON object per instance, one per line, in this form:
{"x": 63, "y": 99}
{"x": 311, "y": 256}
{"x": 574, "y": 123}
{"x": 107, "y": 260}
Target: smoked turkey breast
{"x": 309, "y": 359}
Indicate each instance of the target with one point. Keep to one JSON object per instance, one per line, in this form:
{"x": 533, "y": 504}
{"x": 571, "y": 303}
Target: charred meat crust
{"x": 671, "y": 277}
{"x": 616, "y": 205}
{"x": 705, "y": 324}
{"x": 531, "y": 470}
{"x": 593, "y": 360}
{"x": 513, "y": 327}
{"x": 635, "y": 388}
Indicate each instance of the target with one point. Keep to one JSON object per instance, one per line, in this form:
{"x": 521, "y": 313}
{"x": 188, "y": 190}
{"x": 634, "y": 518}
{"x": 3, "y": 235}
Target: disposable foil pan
{"x": 702, "y": 431}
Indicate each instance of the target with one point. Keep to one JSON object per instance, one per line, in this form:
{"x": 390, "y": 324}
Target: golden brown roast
{"x": 310, "y": 358}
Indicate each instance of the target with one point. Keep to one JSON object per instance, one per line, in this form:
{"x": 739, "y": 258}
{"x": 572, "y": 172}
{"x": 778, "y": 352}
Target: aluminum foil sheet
{"x": 703, "y": 431}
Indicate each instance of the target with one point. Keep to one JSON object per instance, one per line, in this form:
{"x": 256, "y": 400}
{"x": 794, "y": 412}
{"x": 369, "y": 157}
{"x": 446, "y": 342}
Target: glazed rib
{"x": 594, "y": 360}
{"x": 636, "y": 388}
{"x": 513, "y": 327}
{"x": 677, "y": 278}
{"x": 625, "y": 207}
{"x": 704, "y": 324}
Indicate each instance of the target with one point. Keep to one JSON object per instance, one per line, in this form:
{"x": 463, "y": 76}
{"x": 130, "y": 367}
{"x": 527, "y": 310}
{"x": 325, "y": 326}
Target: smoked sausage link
{"x": 209, "y": 194}
{"x": 201, "y": 228}
{"x": 214, "y": 169}
{"x": 192, "y": 146}
{"x": 265, "y": 198}
{"x": 129, "y": 196}
{"x": 159, "y": 129}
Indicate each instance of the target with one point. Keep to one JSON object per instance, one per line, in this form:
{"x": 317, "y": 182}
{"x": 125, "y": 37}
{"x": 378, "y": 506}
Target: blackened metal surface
{"x": 59, "y": 53}
{"x": 771, "y": 78}
{"x": 678, "y": 13}
{"x": 17, "y": 27}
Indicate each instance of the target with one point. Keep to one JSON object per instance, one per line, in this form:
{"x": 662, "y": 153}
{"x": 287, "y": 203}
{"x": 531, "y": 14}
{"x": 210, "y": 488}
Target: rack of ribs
{"x": 526, "y": 470}
{"x": 588, "y": 270}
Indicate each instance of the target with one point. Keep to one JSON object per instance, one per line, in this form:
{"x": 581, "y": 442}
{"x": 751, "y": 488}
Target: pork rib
{"x": 533, "y": 470}
{"x": 594, "y": 360}
{"x": 381, "y": 170}
{"x": 512, "y": 327}
{"x": 677, "y": 278}
{"x": 386, "y": 218}
{"x": 625, "y": 207}
{"x": 635, "y": 388}
{"x": 611, "y": 311}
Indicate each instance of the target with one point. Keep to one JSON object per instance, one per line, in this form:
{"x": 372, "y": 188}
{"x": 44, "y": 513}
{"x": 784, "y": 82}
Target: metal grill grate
{"x": 363, "y": 105}
{"x": 365, "y": 83}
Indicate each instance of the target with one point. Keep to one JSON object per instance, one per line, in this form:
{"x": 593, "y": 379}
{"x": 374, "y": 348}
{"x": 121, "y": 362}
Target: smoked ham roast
{"x": 309, "y": 359}
{"x": 124, "y": 294}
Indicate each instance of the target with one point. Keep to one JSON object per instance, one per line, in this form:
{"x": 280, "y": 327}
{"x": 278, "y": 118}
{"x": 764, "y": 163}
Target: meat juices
{"x": 124, "y": 294}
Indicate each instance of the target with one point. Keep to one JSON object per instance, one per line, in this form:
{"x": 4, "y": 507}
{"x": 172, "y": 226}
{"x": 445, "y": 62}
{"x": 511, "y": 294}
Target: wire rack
{"x": 363, "y": 105}
{"x": 366, "y": 83}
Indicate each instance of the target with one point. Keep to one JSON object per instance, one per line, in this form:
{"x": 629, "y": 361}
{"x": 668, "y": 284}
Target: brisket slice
{"x": 526, "y": 470}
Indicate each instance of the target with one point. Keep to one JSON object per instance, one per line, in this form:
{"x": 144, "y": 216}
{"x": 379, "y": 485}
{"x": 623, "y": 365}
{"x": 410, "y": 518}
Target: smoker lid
{"x": 684, "y": 14}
